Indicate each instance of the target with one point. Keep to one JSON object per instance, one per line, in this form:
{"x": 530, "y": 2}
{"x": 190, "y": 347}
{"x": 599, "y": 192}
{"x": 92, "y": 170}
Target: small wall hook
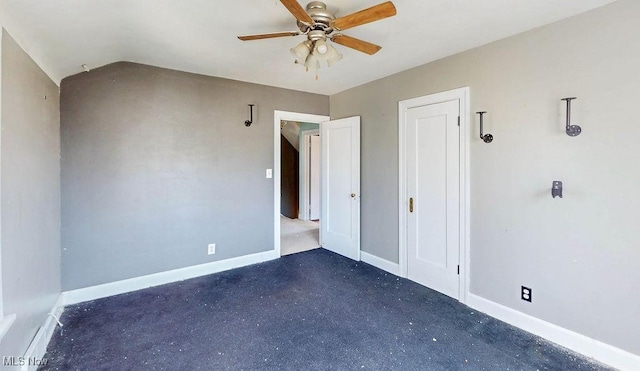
{"x": 556, "y": 189}
{"x": 248, "y": 123}
{"x": 488, "y": 138}
{"x": 572, "y": 130}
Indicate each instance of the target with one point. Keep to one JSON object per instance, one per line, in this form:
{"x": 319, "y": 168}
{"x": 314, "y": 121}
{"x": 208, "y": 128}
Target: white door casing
{"x": 278, "y": 117}
{"x": 459, "y": 232}
{"x": 314, "y": 177}
{"x": 304, "y": 172}
{"x": 433, "y": 188}
{"x": 340, "y": 210}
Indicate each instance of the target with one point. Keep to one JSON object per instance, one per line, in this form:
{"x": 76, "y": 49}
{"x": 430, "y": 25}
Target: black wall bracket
{"x": 488, "y": 138}
{"x": 248, "y": 123}
{"x": 572, "y": 130}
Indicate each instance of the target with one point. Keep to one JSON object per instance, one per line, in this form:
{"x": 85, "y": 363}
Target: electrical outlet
{"x": 525, "y": 294}
{"x": 211, "y": 249}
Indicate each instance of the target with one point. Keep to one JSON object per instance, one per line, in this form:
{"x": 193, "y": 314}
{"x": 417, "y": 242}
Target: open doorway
{"x": 296, "y": 182}
{"x": 299, "y": 186}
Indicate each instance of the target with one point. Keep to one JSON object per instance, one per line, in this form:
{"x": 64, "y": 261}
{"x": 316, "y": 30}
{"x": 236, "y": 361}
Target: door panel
{"x": 431, "y": 190}
{"x": 433, "y": 166}
{"x": 340, "y": 211}
{"x": 339, "y": 185}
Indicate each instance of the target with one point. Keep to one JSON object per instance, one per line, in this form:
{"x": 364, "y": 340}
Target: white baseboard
{"x": 157, "y": 279}
{"x": 582, "y": 344}
{"x": 38, "y": 347}
{"x": 385, "y": 265}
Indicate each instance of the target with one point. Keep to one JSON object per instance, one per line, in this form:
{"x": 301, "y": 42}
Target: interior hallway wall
{"x": 30, "y": 192}
{"x": 580, "y": 254}
{"x": 289, "y": 179}
{"x": 156, "y": 164}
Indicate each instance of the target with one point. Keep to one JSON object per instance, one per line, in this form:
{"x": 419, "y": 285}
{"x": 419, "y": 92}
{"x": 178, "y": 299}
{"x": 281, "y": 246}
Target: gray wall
{"x": 30, "y": 195}
{"x": 580, "y": 254}
{"x": 156, "y": 164}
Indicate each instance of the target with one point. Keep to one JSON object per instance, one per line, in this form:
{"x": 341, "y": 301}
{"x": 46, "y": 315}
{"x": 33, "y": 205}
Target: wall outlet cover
{"x": 211, "y": 249}
{"x": 525, "y": 294}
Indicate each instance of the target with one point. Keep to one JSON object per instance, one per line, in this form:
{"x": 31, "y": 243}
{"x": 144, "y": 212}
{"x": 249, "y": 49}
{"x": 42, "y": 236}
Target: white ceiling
{"x": 200, "y": 35}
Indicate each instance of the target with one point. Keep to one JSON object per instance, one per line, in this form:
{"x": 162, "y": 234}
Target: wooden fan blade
{"x": 268, "y": 35}
{"x": 356, "y": 44}
{"x": 372, "y": 14}
{"x": 297, "y": 10}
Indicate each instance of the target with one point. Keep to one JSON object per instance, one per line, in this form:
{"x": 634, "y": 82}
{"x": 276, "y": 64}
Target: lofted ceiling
{"x": 200, "y": 36}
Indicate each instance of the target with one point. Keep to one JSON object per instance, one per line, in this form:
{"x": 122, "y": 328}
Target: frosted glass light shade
{"x": 332, "y": 56}
{"x": 301, "y": 51}
{"x": 312, "y": 62}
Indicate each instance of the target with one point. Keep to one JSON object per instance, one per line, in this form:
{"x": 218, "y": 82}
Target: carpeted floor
{"x": 309, "y": 311}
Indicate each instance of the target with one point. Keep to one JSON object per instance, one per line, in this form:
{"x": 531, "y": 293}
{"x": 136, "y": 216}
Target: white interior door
{"x": 433, "y": 189}
{"x": 314, "y": 177}
{"x": 340, "y": 211}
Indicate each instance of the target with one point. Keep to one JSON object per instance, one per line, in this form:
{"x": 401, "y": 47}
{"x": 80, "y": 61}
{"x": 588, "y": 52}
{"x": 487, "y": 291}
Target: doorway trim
{"x": 304, "y": 172}
{"x": 279, "y": 116}
{"x": 461, "y": 94}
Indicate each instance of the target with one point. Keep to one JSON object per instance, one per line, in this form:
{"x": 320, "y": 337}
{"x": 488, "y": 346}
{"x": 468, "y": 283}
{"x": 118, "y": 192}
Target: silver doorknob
{"x": 353, "y": 195}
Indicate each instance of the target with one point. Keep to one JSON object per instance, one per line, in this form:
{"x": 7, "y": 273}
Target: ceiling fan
{"x": 319, "y": 25}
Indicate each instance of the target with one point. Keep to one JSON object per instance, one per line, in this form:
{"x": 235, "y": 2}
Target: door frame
{"x": 304, "y": 172}
{"x": 463, "y": 95}
{"x": 279, "y": 116}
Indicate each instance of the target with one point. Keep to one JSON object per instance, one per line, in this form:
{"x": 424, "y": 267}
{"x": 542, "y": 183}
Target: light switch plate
{"x": 269, "y": 173}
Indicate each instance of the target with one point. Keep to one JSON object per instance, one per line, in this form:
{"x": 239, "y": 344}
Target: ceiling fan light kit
{"x": 320, "y": 26}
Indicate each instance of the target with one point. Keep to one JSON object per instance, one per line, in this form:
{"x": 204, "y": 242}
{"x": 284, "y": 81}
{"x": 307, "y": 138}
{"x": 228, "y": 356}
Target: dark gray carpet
{"x": 313, "y": 310}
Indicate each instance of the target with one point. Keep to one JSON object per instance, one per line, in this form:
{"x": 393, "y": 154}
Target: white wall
{"x": 3, "y": 322}
{"x": 30, "y": 189}
{"x": 580, "y": 254}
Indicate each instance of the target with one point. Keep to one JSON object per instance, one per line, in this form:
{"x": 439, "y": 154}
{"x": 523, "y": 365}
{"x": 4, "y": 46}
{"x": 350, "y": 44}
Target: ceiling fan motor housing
{"x": 322, "y": 19}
